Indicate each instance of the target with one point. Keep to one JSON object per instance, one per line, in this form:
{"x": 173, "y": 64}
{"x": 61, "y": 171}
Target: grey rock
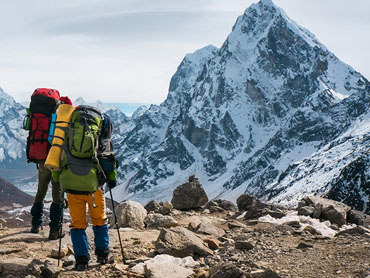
{"x": 306, "y": 210}
{"x": 166, "y": 270}
{"x": 156, "y": 220}
{"x": 209, "y": 229}
{"x": 335, "y": 215}
{"x": 189, "y": 195}
{"x": 34, "y": 267}
{"x": 294, "y": 224}
{"x": 358, "y": 230}
{"x": 262, "y": 273}
{"x": 333, "y": 211}
{"x": 247, "y": 202}
{"x": 236, "y": 224}
{"x": 131, "y": 214}
{"x": 165, "y": 208}
{"x": 223, "y": 204}
{"x": 356, "y": 217}
{"x": 226, "y": 270}
{"x": 243, "y": 245}
{"x": 255, "y": 213}
{"x": 50, "y": 270}
{"x": 152, "y": 206}
{"x": 303, "y": 245}
{"x": 180, "y": 242}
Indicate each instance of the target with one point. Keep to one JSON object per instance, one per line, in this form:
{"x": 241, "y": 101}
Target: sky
{"x": 125, "y": 51}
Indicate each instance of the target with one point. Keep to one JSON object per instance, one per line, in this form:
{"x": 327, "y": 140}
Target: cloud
{"x": 127, "y": 50}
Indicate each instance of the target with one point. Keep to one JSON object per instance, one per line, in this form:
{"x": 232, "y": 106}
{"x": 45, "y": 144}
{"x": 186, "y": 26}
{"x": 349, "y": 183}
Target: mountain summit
{"x": 240, "y": 116}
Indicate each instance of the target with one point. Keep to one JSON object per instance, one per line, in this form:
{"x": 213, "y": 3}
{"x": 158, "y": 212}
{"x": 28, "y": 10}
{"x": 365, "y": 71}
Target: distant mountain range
{"x": 272, "y": 113}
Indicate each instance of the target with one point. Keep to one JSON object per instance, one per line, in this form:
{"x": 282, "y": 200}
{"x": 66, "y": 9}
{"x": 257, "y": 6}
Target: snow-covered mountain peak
{"x": 139, "y": 111}
{"x": 79, "y": 101}
{"x": 5, "y": 97}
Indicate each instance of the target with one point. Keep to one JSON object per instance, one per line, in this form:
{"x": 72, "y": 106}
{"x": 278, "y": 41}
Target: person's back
{"x": 82, "y": 174}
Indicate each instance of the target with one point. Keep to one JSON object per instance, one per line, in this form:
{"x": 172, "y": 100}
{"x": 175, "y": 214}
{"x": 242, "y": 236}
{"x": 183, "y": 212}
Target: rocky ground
{"x": 241, "y": 246}
{"x": 191, "y": 237}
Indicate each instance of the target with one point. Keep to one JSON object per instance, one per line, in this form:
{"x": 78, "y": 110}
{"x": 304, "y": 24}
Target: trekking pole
{"x": 61, "y": 229}
{"x": 116, "y": 222}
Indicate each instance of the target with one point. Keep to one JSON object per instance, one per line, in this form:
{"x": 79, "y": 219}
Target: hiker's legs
{"x": 77, "y": 210}
{"x": 56, "y": 208}
{"x": 36, "y": 212}
{"x": 100, "y": 227}
{"x": 56, "y": 211}
{"x": 38, "y": 206}
{"x": 44, "y": 179}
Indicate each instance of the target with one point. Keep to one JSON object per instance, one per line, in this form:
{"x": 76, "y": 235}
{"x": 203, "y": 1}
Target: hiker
{"x": 87, "y": 164}
{"x": 44, "y": 102}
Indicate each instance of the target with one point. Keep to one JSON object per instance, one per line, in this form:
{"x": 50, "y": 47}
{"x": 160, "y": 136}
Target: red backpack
{"x": 44, "y": 102}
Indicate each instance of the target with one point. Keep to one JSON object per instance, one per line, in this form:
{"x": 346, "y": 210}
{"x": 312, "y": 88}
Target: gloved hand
{"x": 111, "y": 183}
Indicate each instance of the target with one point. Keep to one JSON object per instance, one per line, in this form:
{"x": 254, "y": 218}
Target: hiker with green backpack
{"x": 87, "y": 163}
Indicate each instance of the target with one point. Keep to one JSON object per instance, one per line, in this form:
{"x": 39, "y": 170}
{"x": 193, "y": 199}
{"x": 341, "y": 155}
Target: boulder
{"x": 140, "y": 268}
{"x": 264, "y": 273}
{"x": 209, "y": 229}
{"x": 247, "y": 202}
{"x": 306, "y": 211}
{"x": 255, "y": 213}
{"x": 358, "y": 230}
{"x": 189, "y": 195}
{"x": 357, "y": 217}
{"x": 226, "y": 270}
{"x": 64, "y": 251}
{"x": 331, "y": 210}
{"x": 180, "y": 242}
{"x": 167, "y": 270}
{"x": 336, "y": 215}
{"x": 243, "y": 245}
{"x": 159, "y": 207}
{"x": 50, "y": 270}
{"x": 156, "y": 220}
{"x": 223, "y": 204}
{"x": 152, "y": 206}
{"x": 131, "y": 214}
{"x": 165, "y": 208}
{"x": 34, "y": 267}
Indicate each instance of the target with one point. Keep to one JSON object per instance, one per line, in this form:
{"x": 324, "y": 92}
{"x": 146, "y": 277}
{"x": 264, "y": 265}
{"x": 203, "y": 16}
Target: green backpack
{"x": 80, "y": 168}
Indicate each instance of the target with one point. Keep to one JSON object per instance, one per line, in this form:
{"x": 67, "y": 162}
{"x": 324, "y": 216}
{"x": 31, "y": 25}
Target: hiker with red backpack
{"x": 44, "y": 103}
{"x": 87, "y": 163}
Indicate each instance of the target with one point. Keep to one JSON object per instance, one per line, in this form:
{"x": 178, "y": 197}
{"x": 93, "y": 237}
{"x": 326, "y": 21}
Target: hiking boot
{"x": 54, "y": 234}
{"x": 81, "y": 267}
{"x": 82, "y": 263}
{"x": 102, "y": 259}
{"x": 35, "y": 230}
{"x": 102, "y": 256}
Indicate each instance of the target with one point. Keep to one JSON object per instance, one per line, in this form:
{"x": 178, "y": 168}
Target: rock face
{"x": 189, "y": 195}
{"x": 131, "y": 214}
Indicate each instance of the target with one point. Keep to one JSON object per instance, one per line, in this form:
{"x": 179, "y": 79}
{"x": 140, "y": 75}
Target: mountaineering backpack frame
{"x": 44, "y": 103}
{"x": 80, "y": 169}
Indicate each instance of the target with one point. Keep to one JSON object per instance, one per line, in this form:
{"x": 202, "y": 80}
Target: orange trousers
{"x": 77, "y": 208}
